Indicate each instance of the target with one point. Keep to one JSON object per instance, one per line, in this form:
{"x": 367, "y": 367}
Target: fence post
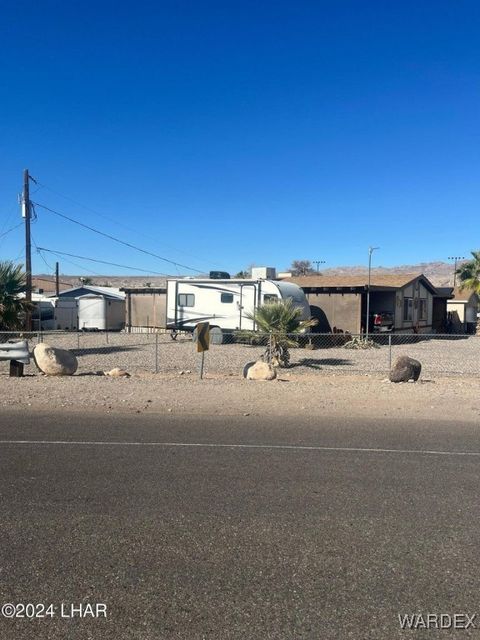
{"x": 156, "y": 352}
{"x": 389, "y": 351}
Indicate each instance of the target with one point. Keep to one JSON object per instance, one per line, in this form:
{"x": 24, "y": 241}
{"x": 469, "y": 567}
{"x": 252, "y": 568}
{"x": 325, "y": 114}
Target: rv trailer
{"x": 225, "y": 304}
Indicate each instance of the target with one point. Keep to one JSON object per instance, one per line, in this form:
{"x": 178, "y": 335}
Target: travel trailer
{"x": 225, "y": 304}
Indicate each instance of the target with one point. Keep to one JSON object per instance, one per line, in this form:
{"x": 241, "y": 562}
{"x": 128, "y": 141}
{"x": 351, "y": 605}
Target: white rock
{"x": 117, "y": 373}
{"x": 53, "y": 361}
{"x": 261, "y": 371}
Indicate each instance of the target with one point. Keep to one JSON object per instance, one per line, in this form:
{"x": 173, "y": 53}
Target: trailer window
{"x": 186, "y": 299}
{"x": 226, "y": 297}
{"x": 270, "y": 297}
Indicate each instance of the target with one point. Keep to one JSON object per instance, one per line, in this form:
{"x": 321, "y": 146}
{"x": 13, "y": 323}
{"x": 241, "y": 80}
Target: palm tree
{"x": 281, "y": 320}
{"x": 12, "y": 307}
{"x": 469, "y": 275}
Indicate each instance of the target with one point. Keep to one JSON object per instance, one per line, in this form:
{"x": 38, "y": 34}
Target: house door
{"x": 247, "y": 305}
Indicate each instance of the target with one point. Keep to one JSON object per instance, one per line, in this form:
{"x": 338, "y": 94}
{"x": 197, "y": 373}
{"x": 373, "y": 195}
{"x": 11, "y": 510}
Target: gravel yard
{"x": 307, "y": 395}
{"x": 321, "y": 381}
{"x": 143, "y": 352}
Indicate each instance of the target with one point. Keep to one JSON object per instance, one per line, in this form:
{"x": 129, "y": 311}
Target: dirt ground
{"x": 332, "y": 395}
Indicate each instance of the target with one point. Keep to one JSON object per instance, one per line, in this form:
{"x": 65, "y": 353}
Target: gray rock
{"x": 53, "y": 361}
{"x": 261, "y": 371}
{"x": 405, "y": 369}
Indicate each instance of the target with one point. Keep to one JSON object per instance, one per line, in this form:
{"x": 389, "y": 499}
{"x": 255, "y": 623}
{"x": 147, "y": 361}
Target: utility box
{"x": 264, "y": 273}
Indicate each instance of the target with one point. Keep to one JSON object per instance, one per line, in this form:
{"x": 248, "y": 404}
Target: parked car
{"x": 382, "y": 321}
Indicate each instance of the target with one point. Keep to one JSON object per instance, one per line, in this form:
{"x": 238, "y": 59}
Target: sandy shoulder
{"x": 329, "y": 395}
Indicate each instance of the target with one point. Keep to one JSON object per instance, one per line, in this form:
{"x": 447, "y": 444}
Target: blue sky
{"x": 220, "y": 134}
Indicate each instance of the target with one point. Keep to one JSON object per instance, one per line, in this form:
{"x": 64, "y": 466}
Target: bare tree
{"x": 302, "y": 268}
{"x": 245, "y": 273}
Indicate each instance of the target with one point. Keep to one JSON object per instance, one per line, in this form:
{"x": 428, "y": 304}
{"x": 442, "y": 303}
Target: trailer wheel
{"x": 216, "y": 335}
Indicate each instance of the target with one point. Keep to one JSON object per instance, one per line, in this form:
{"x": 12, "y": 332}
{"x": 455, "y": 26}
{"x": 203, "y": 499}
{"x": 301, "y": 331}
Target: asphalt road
{"x": 316, "y": 529}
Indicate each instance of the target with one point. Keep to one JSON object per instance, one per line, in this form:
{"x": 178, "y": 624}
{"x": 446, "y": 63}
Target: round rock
{"x": 261, "y": 371}
{"x": 53, "y": 361}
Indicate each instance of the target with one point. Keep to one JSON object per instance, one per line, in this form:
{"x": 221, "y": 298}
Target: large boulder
{"x": 261, "y": 371}
{"x": 53, "y": 361}
{"x": 405, "y": 369}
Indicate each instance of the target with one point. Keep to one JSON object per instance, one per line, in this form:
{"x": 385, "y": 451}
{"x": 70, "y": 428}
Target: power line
{"x": 81, "y": 267}
{"x": 110, "y": 237}
{"x": 112, "y": 264}
{"x": 20, "y": 255}
{"x": 49, "y": 266}
{"x": 11, "y": 229}
{"x": 114, "y": 221}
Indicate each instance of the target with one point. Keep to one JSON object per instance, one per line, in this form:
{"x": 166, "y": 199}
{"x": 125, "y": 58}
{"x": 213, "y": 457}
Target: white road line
{"x": 214, "y": 445}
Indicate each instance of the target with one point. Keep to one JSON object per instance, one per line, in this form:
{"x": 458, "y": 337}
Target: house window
{"x": 226, "y": 297}
{"x": 407, "y": 309}
{"x": 422, "y": 309}
{"x": 270, "y": 297}
{"x": 186, "y": 299}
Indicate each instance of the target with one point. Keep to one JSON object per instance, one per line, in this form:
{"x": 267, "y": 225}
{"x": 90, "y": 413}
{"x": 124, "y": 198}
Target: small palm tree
{"x": 281, "y": 320}
{"x": 469, "y": 276}
{"x": 12, "y": 307}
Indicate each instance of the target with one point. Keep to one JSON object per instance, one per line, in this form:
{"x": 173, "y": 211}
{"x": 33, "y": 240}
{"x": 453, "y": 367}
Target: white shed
{"x": 100, "y": 313}
{"x": 90, "y": 308}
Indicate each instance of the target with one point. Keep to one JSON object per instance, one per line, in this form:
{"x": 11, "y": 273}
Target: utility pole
{"x": 26, "y": 212}
{"x": 455, "y": 259}
{"x": 318, "y": 263}
{"x": 367, "y": 324}
{"x": 57, "y": 280}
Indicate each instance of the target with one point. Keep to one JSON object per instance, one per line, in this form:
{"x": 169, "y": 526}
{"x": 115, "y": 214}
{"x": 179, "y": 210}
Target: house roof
{"x": 377, "y": 281}
{"x": 444, "y": 292}
{"x": 463, "y": 295}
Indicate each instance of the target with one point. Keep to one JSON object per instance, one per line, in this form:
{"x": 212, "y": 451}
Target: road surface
{"x": 236, "y": 527}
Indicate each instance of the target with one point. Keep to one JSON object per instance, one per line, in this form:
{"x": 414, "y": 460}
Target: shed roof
{"x": 108, "y": 292}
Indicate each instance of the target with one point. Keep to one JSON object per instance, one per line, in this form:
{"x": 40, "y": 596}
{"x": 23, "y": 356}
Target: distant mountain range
{"x": 439, "y": 273}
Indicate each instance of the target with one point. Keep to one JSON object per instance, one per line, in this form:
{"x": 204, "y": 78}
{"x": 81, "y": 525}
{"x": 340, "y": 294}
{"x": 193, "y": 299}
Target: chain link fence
{"x": 229, "y": 352}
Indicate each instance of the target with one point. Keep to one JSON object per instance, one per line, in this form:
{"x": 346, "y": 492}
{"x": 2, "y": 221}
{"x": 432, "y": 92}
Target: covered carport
{"x": 340, "y": 302}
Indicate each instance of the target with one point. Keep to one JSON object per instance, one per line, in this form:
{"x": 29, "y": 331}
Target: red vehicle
{"x": 382, "y": 321}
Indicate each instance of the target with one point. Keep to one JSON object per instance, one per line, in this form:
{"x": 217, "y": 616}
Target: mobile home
{"x": 225, "y": 304}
